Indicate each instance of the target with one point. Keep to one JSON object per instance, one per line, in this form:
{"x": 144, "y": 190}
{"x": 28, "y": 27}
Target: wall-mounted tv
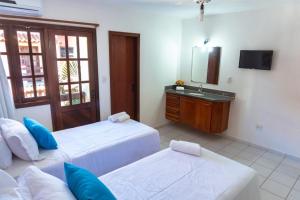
{"x": 253, "y": 59}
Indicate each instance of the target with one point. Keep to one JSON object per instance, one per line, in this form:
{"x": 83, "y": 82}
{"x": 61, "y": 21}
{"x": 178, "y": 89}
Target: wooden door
{"x": 124, "y": 73}
{"x": 73, "y": 78}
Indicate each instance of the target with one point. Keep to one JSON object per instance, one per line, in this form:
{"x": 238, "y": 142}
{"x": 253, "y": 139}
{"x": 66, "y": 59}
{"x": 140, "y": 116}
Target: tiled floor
{"x": 278, "y": 174}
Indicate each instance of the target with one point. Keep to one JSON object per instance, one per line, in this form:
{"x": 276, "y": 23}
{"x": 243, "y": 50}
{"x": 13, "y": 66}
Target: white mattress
{"x": 100, "y": 147}
{"x": 170, "y": 175}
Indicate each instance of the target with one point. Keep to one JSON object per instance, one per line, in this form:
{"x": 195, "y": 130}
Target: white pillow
{"x": 6, "y": 180}
{"x": 19, "y": 140}
{"x": 9, "y": 187}
{"x": 44, "y": 186}
{"x": 10, "y": 194}
{"x": 5, "y": 154}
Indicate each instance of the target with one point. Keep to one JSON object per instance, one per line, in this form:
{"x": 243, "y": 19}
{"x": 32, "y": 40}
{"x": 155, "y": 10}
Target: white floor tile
{"x": 288, "y": 170}
{"x": 255, "y": 150}
{"x": 276, "y": 188}
{"x": 242, "y": 161}
{"x": 283, "y": 179}
{"x": 267, "y": 163}
{"x": 265, "y": 195}
{"x": 248, "y": 156}
{"x": 273, "y": 156}
{"x": 261, "y": 179}
{"x": 297, "y": 185}
{"x": 226, "y": 154}
{"x": 201, "y": 140}
{"x": 292, "y": 162}
{"x": 239, "y": 145}
{"x": 294, "y": 195}
{"x": 219, "y": 144}
{"x": 261, "y": 170}
{"x": 232, "y": 150}
{"x": 214, "y": 148}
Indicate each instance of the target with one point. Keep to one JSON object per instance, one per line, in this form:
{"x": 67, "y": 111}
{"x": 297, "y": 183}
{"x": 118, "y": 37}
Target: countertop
{"x": 207, "y": 94}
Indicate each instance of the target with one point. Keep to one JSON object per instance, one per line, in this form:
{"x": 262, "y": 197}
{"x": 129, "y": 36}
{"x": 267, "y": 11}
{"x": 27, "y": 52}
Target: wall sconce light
{"x": 206, "y": 41}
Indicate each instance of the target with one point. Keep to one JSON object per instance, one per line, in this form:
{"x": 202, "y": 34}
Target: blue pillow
{"x": 84, "y": 185}
{"x": 41, "y": 134}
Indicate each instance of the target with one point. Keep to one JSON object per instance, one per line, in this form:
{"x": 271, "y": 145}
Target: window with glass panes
{"x": 31, "y": 64}
{"x": 22, "y": 53}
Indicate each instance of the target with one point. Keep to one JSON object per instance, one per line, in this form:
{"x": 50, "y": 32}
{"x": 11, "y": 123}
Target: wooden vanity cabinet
{"x": 206, "y": 116}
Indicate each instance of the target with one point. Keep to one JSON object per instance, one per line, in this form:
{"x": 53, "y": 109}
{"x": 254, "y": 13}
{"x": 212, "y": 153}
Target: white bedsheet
{"x": 100, "y": 147}
{"x": 170, "y": 175}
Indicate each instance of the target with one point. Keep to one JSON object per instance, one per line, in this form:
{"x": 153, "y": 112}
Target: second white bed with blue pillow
{"x": 100, "y": 147}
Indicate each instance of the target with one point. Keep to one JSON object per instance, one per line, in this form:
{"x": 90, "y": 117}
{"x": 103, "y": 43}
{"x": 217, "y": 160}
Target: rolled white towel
{"x": 119, "y": 117}
{"x": 186, "y": 147}
{"x": 123, "y": 118}
{"x": 179, "y": 88}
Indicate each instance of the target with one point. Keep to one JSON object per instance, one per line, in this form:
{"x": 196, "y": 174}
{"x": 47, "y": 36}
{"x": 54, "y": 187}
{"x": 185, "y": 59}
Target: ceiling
{"x": 188, "y": 9}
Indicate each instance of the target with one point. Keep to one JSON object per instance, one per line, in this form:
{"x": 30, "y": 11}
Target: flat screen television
{"x": 252, "y": 59}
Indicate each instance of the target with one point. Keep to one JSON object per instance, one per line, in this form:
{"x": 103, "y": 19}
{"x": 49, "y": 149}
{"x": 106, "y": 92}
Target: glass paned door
{"x": 73, "y": 58}
{"x": 72, "y": 63}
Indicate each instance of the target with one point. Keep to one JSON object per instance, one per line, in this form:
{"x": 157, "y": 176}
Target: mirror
{"x": 205, "y": 65}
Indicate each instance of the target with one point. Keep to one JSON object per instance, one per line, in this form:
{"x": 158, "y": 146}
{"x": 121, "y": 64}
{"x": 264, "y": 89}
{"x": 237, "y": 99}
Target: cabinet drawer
{"x": 172, "y": 117}
{"x": 174, "y": 110}
{"x": 172, "y": 100}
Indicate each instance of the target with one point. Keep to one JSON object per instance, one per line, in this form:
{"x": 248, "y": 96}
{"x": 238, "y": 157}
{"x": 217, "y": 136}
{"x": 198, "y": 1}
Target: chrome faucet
{"x": 200, "y": 88}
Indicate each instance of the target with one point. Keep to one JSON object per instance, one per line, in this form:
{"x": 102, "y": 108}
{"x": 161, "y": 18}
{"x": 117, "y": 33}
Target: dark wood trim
{"x": 46, "y": 20}
{"x": 96, "y": 74}
{"x": 31, "y": 104}
{"x": 137, "y": 36}
{"x": 119, "y": 33}
{"x": 30, "y": 24}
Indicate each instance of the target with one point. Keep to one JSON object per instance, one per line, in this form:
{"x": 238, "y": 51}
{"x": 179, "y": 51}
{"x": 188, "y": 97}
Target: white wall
{"x": 265, "y": 98}
{"x": 160, "y": 44}
{"x": 40, "y": 113}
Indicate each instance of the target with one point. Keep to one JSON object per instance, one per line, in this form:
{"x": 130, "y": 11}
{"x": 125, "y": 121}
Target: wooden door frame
{"x": 51, "y": 83}
{"x": 136, "y": 36}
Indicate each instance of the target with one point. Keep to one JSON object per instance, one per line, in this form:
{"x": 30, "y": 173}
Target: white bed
{"x": 100, "y": 147}
{"x": 170, "y": 175}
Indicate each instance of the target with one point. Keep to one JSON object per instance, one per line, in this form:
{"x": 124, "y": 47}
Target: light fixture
{"x": 202, "y": 7}
{"x": 206, "y": 41}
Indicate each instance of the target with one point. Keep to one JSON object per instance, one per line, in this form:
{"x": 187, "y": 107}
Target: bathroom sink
{"x": 196, "y": 94}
